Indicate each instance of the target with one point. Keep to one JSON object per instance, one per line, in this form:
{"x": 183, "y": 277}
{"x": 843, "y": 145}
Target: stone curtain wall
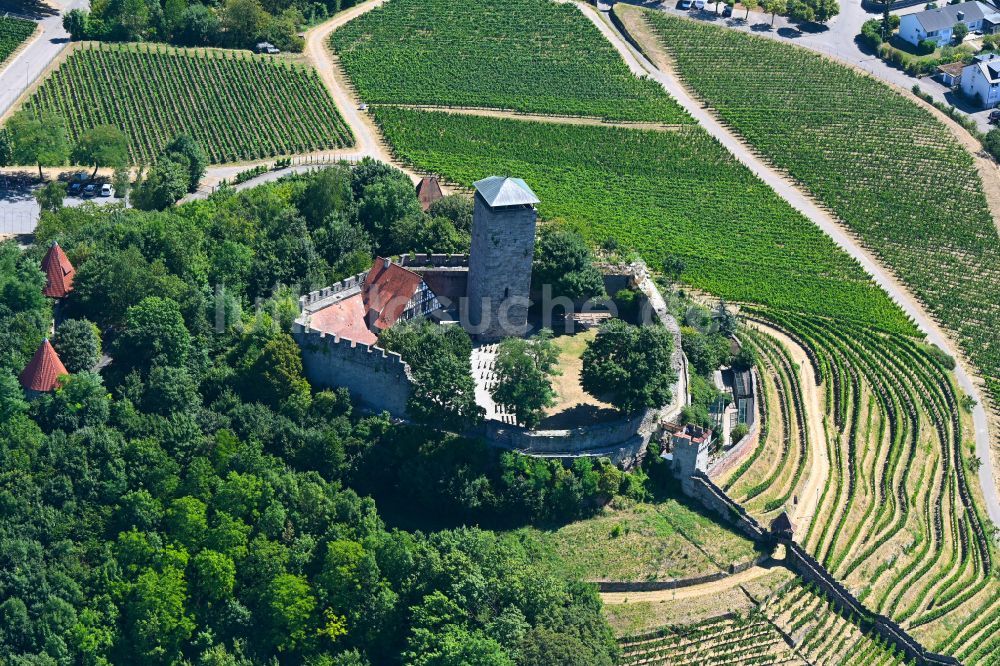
{"x": 677, "y": 583}
{"x": 623, "y": 441}
{"x": 379, "y": 379}
{"x": 700, "y": 488}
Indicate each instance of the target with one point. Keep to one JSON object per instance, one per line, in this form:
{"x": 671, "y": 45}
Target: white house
{"x": 937, "y": 24}
{"x": 981, "y": 79}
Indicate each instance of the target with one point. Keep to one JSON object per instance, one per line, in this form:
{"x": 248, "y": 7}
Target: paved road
{"x": 29, "y": 64}
{"x": 832, "y": 227}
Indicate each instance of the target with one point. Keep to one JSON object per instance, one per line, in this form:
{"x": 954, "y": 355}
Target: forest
{"x": 198, "y": 502}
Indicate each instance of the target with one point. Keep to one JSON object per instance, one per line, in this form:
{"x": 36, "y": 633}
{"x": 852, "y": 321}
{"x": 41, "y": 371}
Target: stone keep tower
{"x": 503, "y": 246}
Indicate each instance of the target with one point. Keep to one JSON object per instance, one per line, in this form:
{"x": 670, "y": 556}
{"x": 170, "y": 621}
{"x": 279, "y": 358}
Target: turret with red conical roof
{"x": 42, "y": 373}
{"x": 58, "y": 272}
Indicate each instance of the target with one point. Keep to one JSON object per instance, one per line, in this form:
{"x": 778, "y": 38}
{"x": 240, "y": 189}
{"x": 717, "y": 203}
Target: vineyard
{"x": 795, "y": 625}
{"x": 527, "y": 55}
{"x": 891, "y": 171}
{"x": 13, "y": 32}
{"x": 821, "y": 634}
{"x": 661, "y": 193}
{"x": 728, "y": 640}
{"x": 239, "y": 107}
{"x": 898, "y": 518}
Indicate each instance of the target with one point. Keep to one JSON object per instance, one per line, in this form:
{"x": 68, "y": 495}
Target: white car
{"x": 699, "y": 4}
{"x": 106, "y": 190}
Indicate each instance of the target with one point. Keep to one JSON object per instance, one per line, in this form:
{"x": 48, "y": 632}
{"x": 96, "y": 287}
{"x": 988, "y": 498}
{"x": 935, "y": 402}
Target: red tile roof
{"x": 428, "y": 191}
{"x": 346, "y": 319}
{"x": 58, "y": 272}
{"x": 388, "y": 288}
{"x": 44, "y": 370}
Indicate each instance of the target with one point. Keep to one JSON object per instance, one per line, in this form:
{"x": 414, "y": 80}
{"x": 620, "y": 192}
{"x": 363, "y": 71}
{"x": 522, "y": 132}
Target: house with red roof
{"x": 58, "y": 271}
{"x": 388, "y": 293}
{"x": 42, "y": 373}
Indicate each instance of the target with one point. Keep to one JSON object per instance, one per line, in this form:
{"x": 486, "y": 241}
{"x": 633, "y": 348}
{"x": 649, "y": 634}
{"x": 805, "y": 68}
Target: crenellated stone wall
{"x": 315, "y": 300}
{"x": 377, "y": 378}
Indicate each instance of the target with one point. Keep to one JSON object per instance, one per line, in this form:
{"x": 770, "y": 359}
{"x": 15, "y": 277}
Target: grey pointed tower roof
{"x": 505, "y": 191}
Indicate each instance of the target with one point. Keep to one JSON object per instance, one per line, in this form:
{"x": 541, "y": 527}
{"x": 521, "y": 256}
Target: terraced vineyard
{"x": 661, "y": 193}
{"x": 795, "y": 625}
{"x": 238, "y": 106}
{"x": 884, "y": 165}
{"x": 527, "y": 55}
{"x": 898, "y": 519}
{"x": 821, "y": 634}
{"x": 731, "y": 639}
{"x": 13, "y": 32}
{"x": 768, "y": 480}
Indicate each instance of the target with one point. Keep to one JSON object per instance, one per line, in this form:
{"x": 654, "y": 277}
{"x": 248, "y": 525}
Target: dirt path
{"x": 813, "y": 403}
{"x": 701, "y": 590}
{"x": 368, "y": 141}
{"x": 317, "y": 52}
{"x": 787, "y": 190}
{"x": 539, "y": 117}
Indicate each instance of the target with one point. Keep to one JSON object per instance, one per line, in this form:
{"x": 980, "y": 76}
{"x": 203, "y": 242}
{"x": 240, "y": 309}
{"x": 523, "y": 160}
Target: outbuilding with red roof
{"x": 58, "y": 271}
{"x": 42, "y": 373}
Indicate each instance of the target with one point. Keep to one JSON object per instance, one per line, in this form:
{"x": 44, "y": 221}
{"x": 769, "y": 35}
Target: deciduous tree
{"x": 629, "y": 366}
{"x": 78, "y": 343}
{"x": 102, "y": 146}
{"x": 38, "y": 139}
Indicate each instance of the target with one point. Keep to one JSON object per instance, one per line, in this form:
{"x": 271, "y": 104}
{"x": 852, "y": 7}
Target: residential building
{"x": 386, "y": 294}
{"x": 981, "y": 80}
{"x": 937, "y": 25}
{"x": 950, "y": 74}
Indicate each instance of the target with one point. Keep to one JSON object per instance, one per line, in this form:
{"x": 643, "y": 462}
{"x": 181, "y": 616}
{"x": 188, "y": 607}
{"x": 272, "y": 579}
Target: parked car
{"x": 106, "y": 190}
{"x": 994, "y": 117}
{"x": 268, "y": 48}
{"x": 90, "y": 190}
{"x": 76, "y": 184}
{"x": 685, "y": 4}
{"x": 699, "y": 4}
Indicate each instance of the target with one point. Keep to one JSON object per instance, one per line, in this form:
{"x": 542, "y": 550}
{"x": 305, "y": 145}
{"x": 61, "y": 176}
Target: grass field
{"x": 239, "y": 107}
{"x": 661, "y": 193}
{"x": 13, "y": 32}
{"x": 527, "y": 55}
{"x": 886, "y": 166}
{"x": 641, "y": 542}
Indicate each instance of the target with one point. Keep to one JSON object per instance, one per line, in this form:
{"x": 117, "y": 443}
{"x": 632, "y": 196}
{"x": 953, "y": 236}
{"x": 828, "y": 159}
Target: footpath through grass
{"x": 886, "y": 166}
{"x": 238, "y": 106}
{"x": 661, "y": 193}
{"x": 527, "y": 55}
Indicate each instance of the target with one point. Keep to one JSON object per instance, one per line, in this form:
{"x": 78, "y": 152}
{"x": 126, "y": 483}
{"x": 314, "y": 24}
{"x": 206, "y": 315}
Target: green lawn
{"x": 642, "y": 542}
